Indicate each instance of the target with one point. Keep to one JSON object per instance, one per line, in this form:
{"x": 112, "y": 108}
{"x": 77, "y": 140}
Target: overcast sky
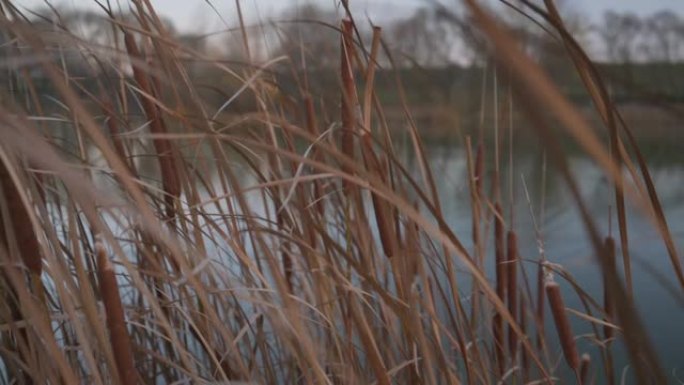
{"x": 197, "y": 15}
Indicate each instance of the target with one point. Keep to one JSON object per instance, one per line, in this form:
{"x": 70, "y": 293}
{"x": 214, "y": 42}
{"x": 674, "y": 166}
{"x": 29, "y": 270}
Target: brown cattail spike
{"x": 169, "y": 172}
{"x": 116, "y": 323}
{"x": 563, "y": 328}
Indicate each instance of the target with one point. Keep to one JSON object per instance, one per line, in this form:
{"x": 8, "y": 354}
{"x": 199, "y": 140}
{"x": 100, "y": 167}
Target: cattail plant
{"x": 169, "y": 171}
{"x": 383, "y": 217}
{"x": 560, "y": 317}
{"x": 115, "y": 319}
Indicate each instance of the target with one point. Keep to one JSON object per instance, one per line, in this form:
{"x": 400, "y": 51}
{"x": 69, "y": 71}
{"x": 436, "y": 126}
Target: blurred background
{"x": 638, "y": 46}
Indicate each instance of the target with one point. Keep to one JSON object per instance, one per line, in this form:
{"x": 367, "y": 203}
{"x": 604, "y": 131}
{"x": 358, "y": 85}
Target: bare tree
{"x": 620, "y": 33}
{"x": 430, "y": 37}
{"x": 663, "y": 32}
{"x": 309, "y": 37}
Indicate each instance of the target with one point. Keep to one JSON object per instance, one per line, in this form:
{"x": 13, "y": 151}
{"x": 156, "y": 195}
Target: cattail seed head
{"x": 562, "y": 322}
{"x": 115, "y": 320}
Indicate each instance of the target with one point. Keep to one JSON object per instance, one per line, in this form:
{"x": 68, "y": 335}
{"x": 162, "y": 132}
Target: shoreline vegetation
{"x": 331, "y": 262}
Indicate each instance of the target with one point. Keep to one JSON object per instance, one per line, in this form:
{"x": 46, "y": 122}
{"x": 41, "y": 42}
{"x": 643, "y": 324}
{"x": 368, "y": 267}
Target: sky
{"x": 198, "y": 16}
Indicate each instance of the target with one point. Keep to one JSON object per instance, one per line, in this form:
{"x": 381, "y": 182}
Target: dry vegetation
{"x": 285, "y": 246}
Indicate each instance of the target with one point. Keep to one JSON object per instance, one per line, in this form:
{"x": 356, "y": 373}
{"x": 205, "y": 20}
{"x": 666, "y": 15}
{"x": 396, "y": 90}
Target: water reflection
{"x": 566, "y": 241}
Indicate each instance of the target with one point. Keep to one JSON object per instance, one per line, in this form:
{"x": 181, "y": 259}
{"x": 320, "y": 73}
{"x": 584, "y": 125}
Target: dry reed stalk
{"x": 512, "y": 281}
{"x": 562, "y": 322}
{"x": 367, "y": 339}
{"x": 388, "y": 238}
{"x": 539, "y": 314}
{"x": 169, "y": 172}
{"x": 286, "y": 254}
{"x": 475, "y": 229}
{"x": 499, "y": 348}
{"x": 500, "y": 252}
{"x": 524, "y": 355}
{"x": 370, "y": 82}
{"x": 500, "y": 260}
{"x": 479, "y": 170}
{"x": 171, "y": 184}
{"x": 114, "y": 133}
{"x": 474, "y": 174}
{"x": 383, "y": 217}
{"x": 350, "y": 104}
{"x": 349, "y": 96}
{"x": 660, "y": 218}
{"x": 16, "y": 339}
{"x": 585, "y": 363}
{"x": 312, "y": 128}
{"x": 115, "y": 319}
{"x": 608, "y": 305}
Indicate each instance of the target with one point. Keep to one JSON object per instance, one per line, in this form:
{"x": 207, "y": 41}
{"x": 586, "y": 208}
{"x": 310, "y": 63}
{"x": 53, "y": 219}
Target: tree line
{"x": 430, "y": 37}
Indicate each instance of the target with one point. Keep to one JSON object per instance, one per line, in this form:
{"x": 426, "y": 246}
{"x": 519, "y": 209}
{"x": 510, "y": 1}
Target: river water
{"x": 658, "y": 297}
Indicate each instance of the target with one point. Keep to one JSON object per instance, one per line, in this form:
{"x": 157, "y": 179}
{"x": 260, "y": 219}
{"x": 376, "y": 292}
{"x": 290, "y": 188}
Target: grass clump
{"x": 147, "y": 237}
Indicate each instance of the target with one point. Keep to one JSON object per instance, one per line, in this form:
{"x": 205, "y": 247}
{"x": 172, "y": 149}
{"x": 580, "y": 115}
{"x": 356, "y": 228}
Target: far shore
{"x": 649, "y": 122}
